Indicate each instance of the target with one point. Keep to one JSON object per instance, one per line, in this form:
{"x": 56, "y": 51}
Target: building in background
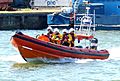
{"x": 50, "y": 3}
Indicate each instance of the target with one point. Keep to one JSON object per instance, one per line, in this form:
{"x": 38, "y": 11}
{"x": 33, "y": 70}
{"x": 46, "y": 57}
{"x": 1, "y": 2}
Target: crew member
{"x": 94, "y": 43}
{"x": 46, "y": 37}
{"x": 72, "y": 37}
{"x": 50, "y": 33}
{"x": 56, "y": 38}
{"x": 65, "y": 38}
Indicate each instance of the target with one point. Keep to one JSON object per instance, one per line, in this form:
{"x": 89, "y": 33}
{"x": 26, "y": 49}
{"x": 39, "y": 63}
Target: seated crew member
{"x": 49, "y": 33}
{"x": 46, "y": 37}
{"x": 72, "y": 37}
{"x": 56, "y": 38}
{"x": 65, "y": 38}
{"x": 94, "y": 43}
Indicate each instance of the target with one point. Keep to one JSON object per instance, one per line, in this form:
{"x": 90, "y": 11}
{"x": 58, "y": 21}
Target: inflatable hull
{"x": 32, "y": 49}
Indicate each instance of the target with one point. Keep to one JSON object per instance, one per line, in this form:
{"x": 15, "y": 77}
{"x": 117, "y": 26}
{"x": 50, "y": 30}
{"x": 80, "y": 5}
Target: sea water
{"x": 14, "y": 68}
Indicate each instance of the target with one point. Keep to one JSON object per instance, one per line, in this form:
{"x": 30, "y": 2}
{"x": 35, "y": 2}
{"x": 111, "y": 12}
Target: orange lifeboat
{"x": 33, "y": 50}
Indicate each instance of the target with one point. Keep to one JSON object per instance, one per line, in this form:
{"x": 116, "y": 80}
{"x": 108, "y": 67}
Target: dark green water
{"x": 14, "y": 68}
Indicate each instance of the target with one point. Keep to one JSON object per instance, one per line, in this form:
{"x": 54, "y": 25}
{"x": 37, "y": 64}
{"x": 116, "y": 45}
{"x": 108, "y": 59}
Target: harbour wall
{"x": 11, "y": 21}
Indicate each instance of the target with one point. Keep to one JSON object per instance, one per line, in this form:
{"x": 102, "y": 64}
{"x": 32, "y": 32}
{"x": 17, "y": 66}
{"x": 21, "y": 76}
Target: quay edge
{"x": 31, "y": 19}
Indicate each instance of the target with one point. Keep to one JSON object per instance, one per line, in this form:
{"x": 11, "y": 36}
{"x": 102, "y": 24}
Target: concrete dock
{"x": 25, "y": 19}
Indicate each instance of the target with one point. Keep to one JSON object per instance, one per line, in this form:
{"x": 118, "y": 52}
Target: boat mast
{"x": 94, "y": 24}
{"x": 75, "y": 7}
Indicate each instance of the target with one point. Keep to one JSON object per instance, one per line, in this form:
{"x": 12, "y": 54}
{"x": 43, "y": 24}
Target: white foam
{"x": 46, "y": 60}
{"x": 62, "y": 60}
{"x": 83, "y": 60}
{"x": 114, "y": 53}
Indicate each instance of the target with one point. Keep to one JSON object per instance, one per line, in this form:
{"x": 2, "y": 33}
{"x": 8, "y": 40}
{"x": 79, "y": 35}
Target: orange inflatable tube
{"x": 43, "y": 38}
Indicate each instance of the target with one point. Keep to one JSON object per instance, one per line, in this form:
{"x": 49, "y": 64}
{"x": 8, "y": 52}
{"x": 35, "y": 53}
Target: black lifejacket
{"x": 73, "y": 37}
{"x": 49, "y": 35}
{"x": 94, "y": 40}
{"x": 65, "y": 36}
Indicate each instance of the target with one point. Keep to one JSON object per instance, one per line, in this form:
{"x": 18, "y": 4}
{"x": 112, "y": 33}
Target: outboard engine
{"x": 94, "y": 43}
